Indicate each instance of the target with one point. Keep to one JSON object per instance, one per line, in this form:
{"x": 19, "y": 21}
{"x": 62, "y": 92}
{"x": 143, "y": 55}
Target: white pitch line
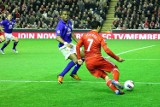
{"x": 135, "y": 49}
{"x": 89, "y": 82}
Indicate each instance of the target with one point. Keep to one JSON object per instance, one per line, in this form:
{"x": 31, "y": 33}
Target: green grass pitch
{"x": 29, "y": 78}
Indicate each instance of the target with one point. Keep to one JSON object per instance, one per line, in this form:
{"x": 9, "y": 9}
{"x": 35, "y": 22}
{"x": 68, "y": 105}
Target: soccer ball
{"x": 129, "y": 85}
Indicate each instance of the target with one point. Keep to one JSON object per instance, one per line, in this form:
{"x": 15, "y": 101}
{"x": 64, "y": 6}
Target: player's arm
{"x": 59, "y": 29}
{"x": 59, "y": 39}
{"x": 78, "y": 46}
{"x": 109, "y": 52}
{"x": 74, "y": 37}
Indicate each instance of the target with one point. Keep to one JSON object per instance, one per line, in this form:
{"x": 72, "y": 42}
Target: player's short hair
{"x": 64, "y": 10}
{"x": 95, "y": 24}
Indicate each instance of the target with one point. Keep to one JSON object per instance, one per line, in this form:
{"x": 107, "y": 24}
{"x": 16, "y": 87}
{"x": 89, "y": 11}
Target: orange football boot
{"x": 60, "y": 79}
{"x": 75, "y": 76}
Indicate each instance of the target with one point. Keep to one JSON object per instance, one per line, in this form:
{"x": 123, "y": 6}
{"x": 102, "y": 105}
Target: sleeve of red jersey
{"x": 78, "y": 46}
{"x": 108, "y": 51}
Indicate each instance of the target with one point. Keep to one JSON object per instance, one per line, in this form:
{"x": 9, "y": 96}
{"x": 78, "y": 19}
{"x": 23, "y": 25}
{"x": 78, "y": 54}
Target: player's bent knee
{"x": 74, "y": 58}
{"x": 107, "y": 78}
{"x": 115, "y": 69}
{"x": 75, "y": 61}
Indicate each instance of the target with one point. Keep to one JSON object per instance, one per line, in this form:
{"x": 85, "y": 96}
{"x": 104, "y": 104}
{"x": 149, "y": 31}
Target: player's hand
{"x": 69, "y": 45}
{"x": 80, "y": 62}
{"x": 120, "y": 60}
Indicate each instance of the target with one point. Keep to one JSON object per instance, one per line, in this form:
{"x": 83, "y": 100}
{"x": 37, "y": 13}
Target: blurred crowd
{"x": 137, "y": 14}
{"x": 46, "y": 13}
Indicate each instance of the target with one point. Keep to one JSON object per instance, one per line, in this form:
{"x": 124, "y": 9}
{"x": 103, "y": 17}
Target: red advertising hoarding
{"x": 108, "y": 35}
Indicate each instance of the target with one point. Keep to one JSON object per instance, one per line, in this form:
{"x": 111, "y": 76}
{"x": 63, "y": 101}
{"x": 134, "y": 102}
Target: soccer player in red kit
{"x": 95, "y": 63}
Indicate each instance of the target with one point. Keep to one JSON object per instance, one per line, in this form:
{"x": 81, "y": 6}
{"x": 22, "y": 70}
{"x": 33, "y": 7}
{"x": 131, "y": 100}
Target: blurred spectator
{"x": 45, "y": 13}
{"x": 80, "y": 4}
{"x": 146, "y": 24}
{"x": 2, "y": 8}
{"x": 137, "y": 14}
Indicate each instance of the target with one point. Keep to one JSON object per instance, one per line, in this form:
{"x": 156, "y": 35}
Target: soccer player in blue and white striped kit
{"x": 8, "y": 25}
{"x": 64, "y": 36}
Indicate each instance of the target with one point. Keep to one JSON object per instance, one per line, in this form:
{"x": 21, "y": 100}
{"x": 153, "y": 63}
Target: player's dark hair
{"x": 95, "y": 24}
{"x": 63, "y": 10}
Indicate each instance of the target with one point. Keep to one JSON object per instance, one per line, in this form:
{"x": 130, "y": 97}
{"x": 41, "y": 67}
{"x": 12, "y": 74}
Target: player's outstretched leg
{"x": 115, "y": 82}
{"x": 4, "y": 46}
{"x": 67, "y": 68}
{"x": 14, "y": 47}
{"x": 112, "y": 87}
{"x": 115, "y": 74}
{"x": 74, "y": 71}
{"x": 15, "y": 39}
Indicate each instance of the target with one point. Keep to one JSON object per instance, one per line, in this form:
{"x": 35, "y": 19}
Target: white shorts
{"x": 8, "y": 36}
{"x": 67, "y": 51}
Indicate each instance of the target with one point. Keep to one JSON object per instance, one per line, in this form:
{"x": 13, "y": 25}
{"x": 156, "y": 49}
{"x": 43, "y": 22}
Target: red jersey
{"x": 92, "y": 43}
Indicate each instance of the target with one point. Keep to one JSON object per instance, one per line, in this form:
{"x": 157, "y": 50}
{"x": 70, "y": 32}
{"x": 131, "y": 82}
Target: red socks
{"x": 110, "y": 85}
{"x": 115, "y": 73}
